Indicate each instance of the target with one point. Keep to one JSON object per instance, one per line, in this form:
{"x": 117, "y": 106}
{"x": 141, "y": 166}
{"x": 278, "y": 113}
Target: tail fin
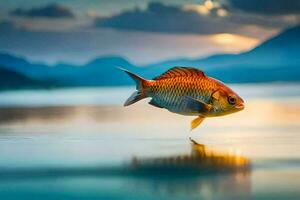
{"x": 141, "y": 84}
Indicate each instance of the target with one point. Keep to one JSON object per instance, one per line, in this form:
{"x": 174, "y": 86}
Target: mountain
{"x": 99, "y": 72}
{"x": 276, "y": 59}
{"x": 14, "y": 80}
{"x": 280, "y": 53}
{"x": 21, "y": 65}
{"x": 103, "y": 71}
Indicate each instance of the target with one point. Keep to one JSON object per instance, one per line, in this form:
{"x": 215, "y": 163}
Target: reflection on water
{"x": 26, "y": 114}
{"x": 201, "y": 161}
{"x": 203, "y": 173}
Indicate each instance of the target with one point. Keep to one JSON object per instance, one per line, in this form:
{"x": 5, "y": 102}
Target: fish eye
{"x": 231, "y": 100}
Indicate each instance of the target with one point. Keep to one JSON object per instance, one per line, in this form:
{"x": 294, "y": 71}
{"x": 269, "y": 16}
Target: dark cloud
{"x": 267, "y": 7}
{"x": 158, "y": 17}
{"x": 196, "y": 19}
{"x": 49, "y": 11}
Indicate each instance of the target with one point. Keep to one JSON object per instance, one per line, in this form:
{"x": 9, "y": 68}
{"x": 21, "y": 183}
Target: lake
{"x": 83, "y": 144}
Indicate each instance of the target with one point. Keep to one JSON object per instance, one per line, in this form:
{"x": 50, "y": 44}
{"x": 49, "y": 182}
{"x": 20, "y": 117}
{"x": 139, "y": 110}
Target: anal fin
{"x": 196, "y": 122}
{"x": 153, "y": 103}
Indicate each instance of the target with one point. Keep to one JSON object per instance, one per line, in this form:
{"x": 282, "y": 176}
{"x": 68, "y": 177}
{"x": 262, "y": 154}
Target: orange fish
{"x": 187, "y": 91}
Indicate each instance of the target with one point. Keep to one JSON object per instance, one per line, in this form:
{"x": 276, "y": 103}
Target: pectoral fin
{"x": 196, "y": 122}
{"x": 197, "y": 106}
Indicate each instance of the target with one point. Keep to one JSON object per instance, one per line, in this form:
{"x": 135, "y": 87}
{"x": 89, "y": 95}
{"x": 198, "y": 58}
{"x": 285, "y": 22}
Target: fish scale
{"x": 171, "y": 92}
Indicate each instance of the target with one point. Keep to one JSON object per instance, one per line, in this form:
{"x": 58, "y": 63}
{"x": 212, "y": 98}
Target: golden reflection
{"x": 199, "y": 175}
{"x": 201, "y": 160}
{"x": 230, "y": 159}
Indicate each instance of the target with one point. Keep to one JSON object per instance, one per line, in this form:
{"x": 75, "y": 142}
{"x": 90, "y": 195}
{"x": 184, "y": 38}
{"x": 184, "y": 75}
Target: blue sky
{"x": 142, "y": 31}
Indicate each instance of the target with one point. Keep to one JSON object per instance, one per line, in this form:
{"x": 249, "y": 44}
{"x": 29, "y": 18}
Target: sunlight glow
{"x": 225, "y": 38}
{"x": 209, "y": 4}
{"x": 222, "y": 12}
{"x": 233, "y": 39}
{"x": 92, "y": 14}
{"x": 200, "y": 9}
{"x": 206, "y": 8}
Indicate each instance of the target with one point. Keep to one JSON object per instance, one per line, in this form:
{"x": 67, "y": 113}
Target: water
{"x": 82, "y": 144}
{"x": 117, "y": 95}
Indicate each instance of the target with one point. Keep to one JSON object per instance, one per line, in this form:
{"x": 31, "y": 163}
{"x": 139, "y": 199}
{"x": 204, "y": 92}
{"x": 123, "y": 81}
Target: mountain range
{"x": 277, "y": 59}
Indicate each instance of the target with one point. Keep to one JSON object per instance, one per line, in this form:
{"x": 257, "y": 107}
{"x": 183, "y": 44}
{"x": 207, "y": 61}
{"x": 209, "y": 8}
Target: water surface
{"x": 77, "y": 144}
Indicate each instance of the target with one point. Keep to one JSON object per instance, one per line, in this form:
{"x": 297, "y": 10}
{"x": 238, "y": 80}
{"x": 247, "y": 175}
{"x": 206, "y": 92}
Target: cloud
{"x": 267, "y": 7}
{"x": 49, "y": 11}
{"x": 80, "y": 46}
{"x": 204, "y": 19}
{"x": 92, "y": 14}
{"x": 210, "y": 17}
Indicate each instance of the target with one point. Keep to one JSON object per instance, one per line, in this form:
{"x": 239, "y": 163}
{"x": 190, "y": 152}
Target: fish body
{"x": 187, "y": 91}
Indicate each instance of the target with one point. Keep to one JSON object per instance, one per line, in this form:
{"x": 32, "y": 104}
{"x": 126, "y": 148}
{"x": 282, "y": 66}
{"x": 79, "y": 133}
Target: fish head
{"x": 225, "y": 101}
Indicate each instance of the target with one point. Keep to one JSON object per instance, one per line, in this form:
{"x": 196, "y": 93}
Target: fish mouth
{"x": 241, "y": 106}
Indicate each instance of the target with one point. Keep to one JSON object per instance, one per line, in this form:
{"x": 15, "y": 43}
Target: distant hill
{"x": 14, "y": 80}
{"x": 276, "y": 59}
{"x": 99, "y": 72}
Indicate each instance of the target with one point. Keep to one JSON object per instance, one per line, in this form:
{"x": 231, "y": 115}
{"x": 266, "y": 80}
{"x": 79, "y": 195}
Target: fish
{"x": 187, "y": 91}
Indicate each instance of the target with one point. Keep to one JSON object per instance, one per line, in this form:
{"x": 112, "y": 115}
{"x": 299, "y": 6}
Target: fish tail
{"x": 141, "y": 85}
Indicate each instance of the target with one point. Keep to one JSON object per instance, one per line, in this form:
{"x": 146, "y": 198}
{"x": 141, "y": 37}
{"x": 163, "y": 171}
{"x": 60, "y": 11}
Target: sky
{"x": 142, "y": 31}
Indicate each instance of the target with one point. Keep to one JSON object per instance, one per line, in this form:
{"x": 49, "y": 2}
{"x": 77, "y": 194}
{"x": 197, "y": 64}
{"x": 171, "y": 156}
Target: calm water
{"x": 82, "y": 144}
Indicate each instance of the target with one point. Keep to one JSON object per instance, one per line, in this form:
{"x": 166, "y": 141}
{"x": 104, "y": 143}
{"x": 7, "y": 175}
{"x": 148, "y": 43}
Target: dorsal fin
{"x": 180, "y": 71}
